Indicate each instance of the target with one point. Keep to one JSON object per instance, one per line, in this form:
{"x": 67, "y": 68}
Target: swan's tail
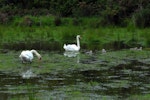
{"x": 64, "y": 46}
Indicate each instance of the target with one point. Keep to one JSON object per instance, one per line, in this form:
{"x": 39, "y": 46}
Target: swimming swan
{"x": 27, "y": 55}
{"x": 73, "y": 47}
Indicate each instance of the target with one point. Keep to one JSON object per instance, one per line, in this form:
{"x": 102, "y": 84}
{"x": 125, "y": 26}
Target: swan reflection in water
{"x": 72, "y": 54}
{"x": 27, "y": 73}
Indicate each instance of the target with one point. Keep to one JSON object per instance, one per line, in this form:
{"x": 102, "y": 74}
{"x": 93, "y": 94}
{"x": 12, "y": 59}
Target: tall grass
{"x": 42, "y": 33}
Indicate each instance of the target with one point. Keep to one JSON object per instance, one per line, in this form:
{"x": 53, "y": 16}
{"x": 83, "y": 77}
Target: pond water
{"x": 81, "y": 75}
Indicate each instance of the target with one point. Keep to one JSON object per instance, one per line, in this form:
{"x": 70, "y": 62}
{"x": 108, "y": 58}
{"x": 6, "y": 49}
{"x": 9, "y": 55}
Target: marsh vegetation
{"x": 114, "y": 75}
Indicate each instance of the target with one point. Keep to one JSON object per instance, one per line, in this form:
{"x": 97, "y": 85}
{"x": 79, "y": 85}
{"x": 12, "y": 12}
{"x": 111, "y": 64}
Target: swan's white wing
{"x": 71, "y": 47}
{"x": 26, "y": 55}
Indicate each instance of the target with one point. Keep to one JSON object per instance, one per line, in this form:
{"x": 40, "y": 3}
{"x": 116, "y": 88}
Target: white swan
{"x": 73, "y": 47}
{"x": 27, "y": 55}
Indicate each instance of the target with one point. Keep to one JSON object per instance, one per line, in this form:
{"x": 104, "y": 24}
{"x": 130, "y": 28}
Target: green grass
{"x": 139, "y": 97}
{"x": 19, "y": 35}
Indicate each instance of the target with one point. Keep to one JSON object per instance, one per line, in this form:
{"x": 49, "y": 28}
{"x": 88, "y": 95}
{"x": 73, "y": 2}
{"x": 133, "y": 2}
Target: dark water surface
{"x": 71, "y": 76}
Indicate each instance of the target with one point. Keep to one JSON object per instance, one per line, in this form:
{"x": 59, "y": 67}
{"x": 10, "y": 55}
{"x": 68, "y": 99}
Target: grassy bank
{"x": 50, "y": 33}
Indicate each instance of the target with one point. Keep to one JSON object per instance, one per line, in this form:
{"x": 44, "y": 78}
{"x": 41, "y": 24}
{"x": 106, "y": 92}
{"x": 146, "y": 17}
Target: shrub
{"x": 57, "y": 21}
{"x": 84, "y": 9}
{"x": 76, "y": 21}
{"x": 27, "y": 21}
{"x": 4, "y": 18}
{"x": 142, "y": 18}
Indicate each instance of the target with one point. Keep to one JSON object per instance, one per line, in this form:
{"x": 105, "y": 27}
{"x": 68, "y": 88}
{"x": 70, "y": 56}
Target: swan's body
{"x": 103, "y": 51}
{"x": 27, "y": 55}
{"x": 135, "y": 48}
{"x": 73, "y": 47}
{"x": 140, "y": 49}
{"x": 89, "y": 52}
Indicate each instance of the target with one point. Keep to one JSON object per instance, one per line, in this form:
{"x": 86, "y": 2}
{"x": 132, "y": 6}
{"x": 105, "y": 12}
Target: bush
{"x": 84, "y": 9}
{"x": 27, "y": 21}
{"x": 57, "y": 21}
{"x": 142, "y": 18}
{"x": 76, "y": 21}
{"x": 3, "y": 18}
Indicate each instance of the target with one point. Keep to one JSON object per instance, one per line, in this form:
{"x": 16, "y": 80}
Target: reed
{"x": 42, "y": 33}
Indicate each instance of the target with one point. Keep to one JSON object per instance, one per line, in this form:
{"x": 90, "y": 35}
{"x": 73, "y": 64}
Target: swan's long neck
{"x": 36, "y": 53}
{"x": 78, "y": 42}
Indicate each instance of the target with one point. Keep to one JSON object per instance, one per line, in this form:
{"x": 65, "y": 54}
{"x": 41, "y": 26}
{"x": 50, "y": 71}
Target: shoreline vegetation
{"x": 50, "y": 33}
{"x": 48, "y": 24}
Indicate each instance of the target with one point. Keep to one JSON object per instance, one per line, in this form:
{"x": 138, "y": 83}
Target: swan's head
{"x": 39, "y": 57}
{"x": 78, "y": 36}
{"x": 37, "y": 54}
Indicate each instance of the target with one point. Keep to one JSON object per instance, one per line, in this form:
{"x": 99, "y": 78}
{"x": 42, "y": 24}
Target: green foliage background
{"x": 48, "y": 24}
{"x": 116, "y": 12}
